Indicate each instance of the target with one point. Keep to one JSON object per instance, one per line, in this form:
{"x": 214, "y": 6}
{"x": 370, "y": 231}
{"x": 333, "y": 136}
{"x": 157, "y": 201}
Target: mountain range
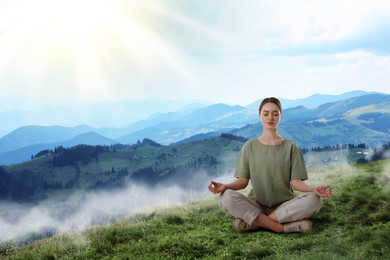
{"x": 363, "y": 119}
{"x": 319, "y": 120}
{"x": 18, "y": 111}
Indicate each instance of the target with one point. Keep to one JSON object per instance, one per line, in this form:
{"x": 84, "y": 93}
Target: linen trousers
{"x": 240, "y": 206}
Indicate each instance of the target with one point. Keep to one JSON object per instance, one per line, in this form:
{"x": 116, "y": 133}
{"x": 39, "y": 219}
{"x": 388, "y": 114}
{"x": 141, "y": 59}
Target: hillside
{"x": 63, "y": 171}
{"x": 353, "y": 224}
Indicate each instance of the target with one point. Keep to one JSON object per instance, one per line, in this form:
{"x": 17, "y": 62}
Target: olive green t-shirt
{"x": 270, "y": 169}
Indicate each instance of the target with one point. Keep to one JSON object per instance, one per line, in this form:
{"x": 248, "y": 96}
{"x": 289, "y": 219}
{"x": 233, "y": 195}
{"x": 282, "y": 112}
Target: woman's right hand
{"x": 216, "y": 187}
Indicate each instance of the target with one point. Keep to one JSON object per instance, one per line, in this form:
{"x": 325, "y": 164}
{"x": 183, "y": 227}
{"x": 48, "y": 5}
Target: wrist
{"x": 225, "y": 187}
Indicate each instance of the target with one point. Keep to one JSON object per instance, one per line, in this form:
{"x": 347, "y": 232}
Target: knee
{"x": 226, "y": 199}
{"x": 313, "y": 201}
{"x": 227, "y": 195}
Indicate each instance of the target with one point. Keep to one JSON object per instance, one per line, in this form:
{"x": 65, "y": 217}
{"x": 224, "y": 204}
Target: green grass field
{"x": 354, "y": 224}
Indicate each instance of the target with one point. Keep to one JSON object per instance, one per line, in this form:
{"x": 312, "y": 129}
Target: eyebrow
{"x": 272, "y": 111}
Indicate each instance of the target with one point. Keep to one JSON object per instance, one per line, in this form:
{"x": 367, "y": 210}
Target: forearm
{"x": 238, "y": 184}
{"x": 216, "y": 187}
{"x": 301, "y": 186}
{"x": 321, "y": 191}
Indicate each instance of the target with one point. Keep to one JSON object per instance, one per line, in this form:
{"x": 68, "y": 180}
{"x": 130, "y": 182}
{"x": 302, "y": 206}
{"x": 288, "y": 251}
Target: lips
{"x": 270, "y": 123}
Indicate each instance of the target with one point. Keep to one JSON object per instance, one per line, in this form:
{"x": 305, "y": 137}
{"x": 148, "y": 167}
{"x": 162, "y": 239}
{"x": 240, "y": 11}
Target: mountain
{"x": 2, "y": 133}
{"x": 334, "y": 109}
{"x": 30, "y": 135}
{"x": 215, "y": 118}
{"x": 69, "y": 113}
{"x": 18, "y": 111}
{"x": 159, "y": 118}
{"x": 315, "y": 100}
{"x": 197, "y": 137}
{"x": 363, "y": 119}
{"x": 165, "y": 127}
{"x": 359, "y": 119}
{"x": 90, "y": 138}
{"x": 216, "y": 114}
{"x": 332, "y": 116}
{"x": 25, "y": 153}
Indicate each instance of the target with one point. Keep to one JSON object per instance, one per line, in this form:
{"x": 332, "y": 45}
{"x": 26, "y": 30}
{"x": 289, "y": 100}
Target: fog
{"x": 385, "y": 178}
{"x": 19, "y": 222}
{"x": 327, "y": 158}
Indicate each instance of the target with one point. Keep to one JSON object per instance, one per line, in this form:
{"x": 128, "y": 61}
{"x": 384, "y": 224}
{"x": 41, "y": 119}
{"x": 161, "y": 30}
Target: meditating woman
{"x": 276, "y": 168}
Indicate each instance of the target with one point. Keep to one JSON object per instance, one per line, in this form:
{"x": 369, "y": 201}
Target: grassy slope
{"x": 355, "y": 224}
{"x": 223, "y": 149}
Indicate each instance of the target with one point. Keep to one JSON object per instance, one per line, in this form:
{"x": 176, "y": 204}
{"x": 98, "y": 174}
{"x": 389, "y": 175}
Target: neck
{"x": 270, "y": 134}
{"x": 270, "y": 137}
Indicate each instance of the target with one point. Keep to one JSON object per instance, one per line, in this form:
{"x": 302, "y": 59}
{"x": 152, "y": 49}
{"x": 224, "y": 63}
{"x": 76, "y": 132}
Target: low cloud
{"x": 18, "y": 222}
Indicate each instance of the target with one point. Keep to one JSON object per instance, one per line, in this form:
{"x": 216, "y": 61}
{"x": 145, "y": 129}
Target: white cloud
{"x": 354, "y": 70}
{"x": 227, "y": 51}
{"x": 80, "y": 211}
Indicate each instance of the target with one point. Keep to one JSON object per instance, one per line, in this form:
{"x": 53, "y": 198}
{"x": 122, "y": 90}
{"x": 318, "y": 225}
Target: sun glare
{"x": 86, "y": 37}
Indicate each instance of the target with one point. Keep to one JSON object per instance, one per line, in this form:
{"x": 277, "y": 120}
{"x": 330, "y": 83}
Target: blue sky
{"x": 224, "y": 51}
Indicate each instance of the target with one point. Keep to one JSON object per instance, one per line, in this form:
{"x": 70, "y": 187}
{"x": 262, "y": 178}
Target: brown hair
{"x": 270, "y": 100}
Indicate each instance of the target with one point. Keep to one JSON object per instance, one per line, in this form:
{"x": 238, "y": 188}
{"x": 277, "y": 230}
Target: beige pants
{"x": 239, "y": 206}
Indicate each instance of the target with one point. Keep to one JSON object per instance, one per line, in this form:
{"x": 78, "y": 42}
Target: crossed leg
{"x": 240, "y": 206}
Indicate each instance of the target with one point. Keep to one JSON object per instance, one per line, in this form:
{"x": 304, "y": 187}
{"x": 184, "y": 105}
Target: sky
{"x": 227, "y": 51}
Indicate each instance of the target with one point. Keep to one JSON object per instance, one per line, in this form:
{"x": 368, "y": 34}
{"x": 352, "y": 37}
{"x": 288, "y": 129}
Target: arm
{"x": 320, "y": 191}
{"x": 238, "y": 184}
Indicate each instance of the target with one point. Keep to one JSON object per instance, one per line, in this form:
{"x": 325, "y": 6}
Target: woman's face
{"x": 270, "y": 116}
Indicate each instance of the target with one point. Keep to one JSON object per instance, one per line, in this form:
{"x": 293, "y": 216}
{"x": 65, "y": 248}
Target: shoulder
{"x": 290, "y": 144}
{"x": 293, "y": 147}
{"x": 252, "y": 141}
{"x": 250, "y": 144}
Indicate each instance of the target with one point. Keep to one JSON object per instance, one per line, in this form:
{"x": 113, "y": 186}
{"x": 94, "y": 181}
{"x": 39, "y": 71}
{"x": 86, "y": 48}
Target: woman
{"x": 275, "y": 167}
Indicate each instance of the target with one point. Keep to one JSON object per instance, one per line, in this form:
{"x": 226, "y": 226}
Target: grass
{"x": 354, "y": 224}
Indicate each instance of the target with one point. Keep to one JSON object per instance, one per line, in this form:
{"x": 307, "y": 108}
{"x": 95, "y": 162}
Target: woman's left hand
{"x": 323, "y": 191}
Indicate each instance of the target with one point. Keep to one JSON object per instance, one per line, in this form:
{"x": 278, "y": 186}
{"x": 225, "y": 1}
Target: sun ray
{"x": 98, "y": 48}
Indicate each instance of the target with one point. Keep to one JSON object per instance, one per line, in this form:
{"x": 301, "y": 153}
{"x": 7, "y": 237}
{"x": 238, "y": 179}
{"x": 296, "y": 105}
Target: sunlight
{"x": 84, "y": 39}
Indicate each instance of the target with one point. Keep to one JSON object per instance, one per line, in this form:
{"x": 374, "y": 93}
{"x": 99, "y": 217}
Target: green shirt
{"x": 270, "y": 169}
